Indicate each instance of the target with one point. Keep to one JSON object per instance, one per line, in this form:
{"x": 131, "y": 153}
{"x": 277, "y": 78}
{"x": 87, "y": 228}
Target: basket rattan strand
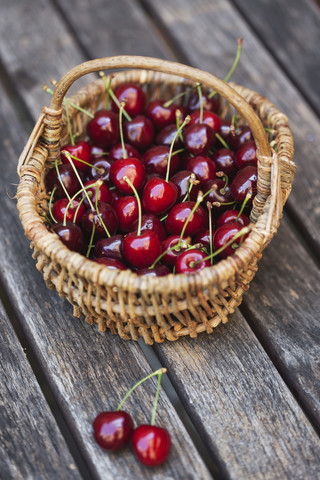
{"x": 155, "y": 308}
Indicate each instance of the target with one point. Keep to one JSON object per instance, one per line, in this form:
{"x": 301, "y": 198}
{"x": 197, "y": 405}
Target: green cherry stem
{"x": 180, "y": 244}
{"x": 200, "y": 101}
{"x": 209, "y": 207}
{"x": 77, "y": 210}
{"x": 86, "y": 163}
{"x": 222, "y": 141}
{"x": 225, "y": 178}
{"x": 178, "y": 115}
{"x": 91, "y": 240}
{"x": 126, "y": 179}
{"x": 50, "y": 203}
{"x": 157, "y": 372}
{"x": 60, "y": 180}
{"x": 112, "y": 95}
{"x": 67, "y": 102}
{"x": 99, "y": 216}
{"x": 67, "y": 154}
{"x": 186, "y": 120}
{"x": 155, "y": 403}
{"x": 248, "y": 196}
{"x": 121, "y": 111}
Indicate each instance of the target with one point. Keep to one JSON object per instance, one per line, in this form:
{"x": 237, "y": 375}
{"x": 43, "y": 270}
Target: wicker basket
{"x": 155, "y": 308}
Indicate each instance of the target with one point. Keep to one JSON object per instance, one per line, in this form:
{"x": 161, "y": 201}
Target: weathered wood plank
{"x": 31, "y": 445}
{"x": 214, "y": 28}
{"x": 291, "y": 30}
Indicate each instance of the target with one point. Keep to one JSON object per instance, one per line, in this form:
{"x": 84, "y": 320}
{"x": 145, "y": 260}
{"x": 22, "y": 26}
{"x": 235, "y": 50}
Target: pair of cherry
{"x": 114, "y": 429}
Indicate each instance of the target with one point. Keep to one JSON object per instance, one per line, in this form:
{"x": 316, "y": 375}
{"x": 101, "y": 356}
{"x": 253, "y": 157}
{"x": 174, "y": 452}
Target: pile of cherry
{"x": 158, "y": 187}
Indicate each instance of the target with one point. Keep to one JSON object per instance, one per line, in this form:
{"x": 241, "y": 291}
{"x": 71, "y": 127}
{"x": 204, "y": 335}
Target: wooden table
{"x": 241, "y": 403}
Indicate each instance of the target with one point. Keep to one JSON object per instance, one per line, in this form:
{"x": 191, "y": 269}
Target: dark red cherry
{"x": 80, "y": 150}
{"x": 220, "y": 193}
{"x": 59, "y": 209}
{"x": 171, "y": 256}
{"x": 244, "y": 182}
{"x": 97, "y": 152}
{"x": 225, "y": 128}
{"x": 116, "y": 152}
{"x": 127, "y": 212}
{"x": 247, "y": 155}
{"x": 68, "y": 178}
{"x": 160, "y": 115}
{"x": 70, "y": 235}
{"x": 103, "y": 129}
{"x": 103, "y": 165}
{"x": 134, "y": 96}
{"x": 208, "y": 103}
{"x": 209, "y": 118}
{"x": 109, "y": 218}
{"x": 182, "y": 180}
{"x": 178, "y": 215}
{"x": 139, "y": 132}
{"x": 141, "y": 251}
{"x": 203, "y": 167}
{"x": 131, "y": 168}
{"x": 112, "y": 430}
{"x": 104, "y": 194}
{"x": 224, "y": 160}
{"x": 110, "y": 247}
{"x": 158, "y": 195}
{"x": 231, "y": 216}
{"x": 241, "y": 136}
{"x": 156, "y": 160}
{"x": 151, "y": 444}
{"x": 198, "y": 139}
{"x": 224, "y": 234}
{"x": 111, "y": 263}
{"x": 149, "y": 221}
{"x": 157, "y": 271}
{"x": 203, "y": 237}
{"x": 166, "y": 136}
{"x": 185, "y": 261}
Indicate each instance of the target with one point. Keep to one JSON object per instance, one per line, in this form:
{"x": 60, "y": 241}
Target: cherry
{"x": 166, "y": 136}
{"x": 141, "y": 250}
{"x": 80, "y": 150}
{"x": 155, "y": 160}
{"x": 70, "y": 235}
{"x": 157, "y": 271}
{"x": 232, "y": 215}
{"x": 186, "y": 262}
{"x": 224, "y": 235}
{"x": 103, "y": 129}
{"x": 104, "y": 194}
{"x": 247, "y": 155}
{"x": 111, "y": 263}
{"x": 225, "y": 128}
{"x": 127, "y": 212}
{"x": 116, "y": 152}
{"x": 224, "y": 160}
{"x": 151, "y": 444}
{"x": 221, "y": 192}
{"x": 135, "y": 98}
{"x": 209, "y": 118}
{"x": 100, "y": 169}
{"x": 159, "y": 195}
{"x": 178, "y": 215}
{"x": 162, "y": 115}
{"x": 182, "y": 179}
{"x": 60, "y": 206}
{"x": 112, "y": 430}
{"x": 67, "y": 177}
{"x": 203, "y": 167}
{"x": 139, "y": 132}
{"x": 208, "y": 103}
{"x": 171, "y": 256}
{"x": 198, "y": 139}
{"x": 127, "y": 167}
{"x": 96, "y": 152}
{"x": 110, "y": 247}
{"x": 149, "y": 221}
{"x": 91, "y": 219}
{"x": 243, "y": 183}
{"x": 203, "y": 237}
{"x": 240, "y": 137}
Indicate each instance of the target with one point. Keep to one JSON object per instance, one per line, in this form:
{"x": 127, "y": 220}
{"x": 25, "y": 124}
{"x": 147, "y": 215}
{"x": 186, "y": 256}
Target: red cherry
{"x": 116, "y": 152}
{"x": 225, "y": 128}
{"x": 198, "y": 139}
{"x": 171, "y": 256}
{"x": 141, "y": 250}
{"x": 224, "y": 160}
{"x": 209, "y": 118}
{"x": 158, "y": 195}
{"x": 110, "y": 247}
{"x": 80, "y": 150}
{"x": 156, "y": 161}
{"x": 231, "y": 216}
{"x": 220, "y": 193}
{"x": 157, "y": 271}
{"x": 181, "y": 179}
{"x": 109, "y": 219}
{"x": 178, "y": 215}
{"x": 160, "y": 115}
{"x": 151, "y": 444}
{"x": 112, "y": 430}
{"x": 224, "y": 234}
{"x": 247, "y": 155}
{"x": 127, "y": 212}
{"x": 111, "y": 263}
{"x": 103, "y": 165}
{"x": 96, "y": 152}
{"x": 184, "y": 263}
{"x": 241, "y": 136}
{"x": 166, "y": 136}
{"x": 104, "y": 194}
{"x": 70, "y": 235}
{"x": 203, "y": 237}
{"x": 203, "y": 167}
{"x": 127, "y": 167}
{"x": 59, "y": 208}
{"x": 139, "y": 132}
{"x": 244, "y": 182}
{"x": 149, "y": 221}
{"x": 103, "y": 129}
{"x": 208, "y": 103}
{"x": 135, "y": 98}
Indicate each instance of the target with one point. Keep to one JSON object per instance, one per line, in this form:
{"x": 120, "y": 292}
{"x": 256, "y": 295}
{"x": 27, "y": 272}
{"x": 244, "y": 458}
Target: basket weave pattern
{"x": 155, "y": 308}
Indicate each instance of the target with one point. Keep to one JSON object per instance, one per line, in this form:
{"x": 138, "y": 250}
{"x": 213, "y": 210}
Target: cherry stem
{"x": 87, "y": 163}
{"x": 50, "y": 204}
{"x": 201, "y": 102}
{"x": 157, "y": 372}
{"x": 209, "y": 206}
{"x": 77, "y": 210}
{"x": 74, "y": 197}
{"x": 235, "y": 63}
{"x": 177, "y": 246}
{"x": 190, "y": 185}
{"x": 138, "y": 201}
{"x": 178, "y": 115}
{"x": 225, "y": 178}
{"x": 99, "y": 216}
{"x": 67, "y": 102}
{"x": 179, "y": 95}
{"x": 108, "y": 92}
{"x": 186, "y": 120}
{"x": 122, "y": 105}
{"x": 221, "y": 140}
{"x": 199, "y": 200}
{"x": 163, "y": 218}
{"x": 248, "y": 196}
{"x": 60, "y": 180}
{"x": 91, "y": 240}
{"x": 67, "y": 154}
{"x": 112, "y": 95}
{"x": 155, "y": 404}
{"x": 178, "y": 151}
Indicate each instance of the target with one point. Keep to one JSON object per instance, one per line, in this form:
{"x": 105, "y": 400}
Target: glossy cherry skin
{"x": 184, "y": 263}
{"x": 127, "y": 212}
{"x": 181, "y": 179}
{"x": 158, "y": 195}
{"x": 203, "y": 167}
{"x": 80, "y": 150}
{"x": 70, "y": 235}
{"x": 166, "y": 136}
{"x": 104, "y": 194}
{"x": 225, "y": 128}
{"x": 208, "y": 103}
{"x": 247, "y": 155}
{"x": 103, "y": 129}
{"x": 151, "y": 444}
{"x": 209, "y": 118}
{"x": 241, "y": 136}
{"x": 231, "y": 216}
{"x": 110, "y": 247}
{"x": 141, "y": 251}
{"x": 149, "y": 221}
{"x": 108, "y": 216}
{"x": 245, "y": 182}
{"x": 112, "y": 430}
{"x": 68, "y": 178}
{"x": 171, "y": 256}
{"x": 130, "y": 167}
{"x": 198, "y": 139}
{"x": 160, "y": 115}
{"x": 97, "y": 152}
{"x": 135, "y": 98}
{"x": 155, "y": 160}
{"x": 157, "y": 271}
{"x": 224, "y": 160}
{"x": 139, "y": 132}
{"x": 60, "y": 206}
{"x": 104, "y": 165}
{"x": 224, "y": 234}
{"x": 111, "y": 263}
{"x": 178, "y": 215}
{"x": 203, "y": 237}
{"x": 220, "y": 193}
{"x": 116, "y": 152}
